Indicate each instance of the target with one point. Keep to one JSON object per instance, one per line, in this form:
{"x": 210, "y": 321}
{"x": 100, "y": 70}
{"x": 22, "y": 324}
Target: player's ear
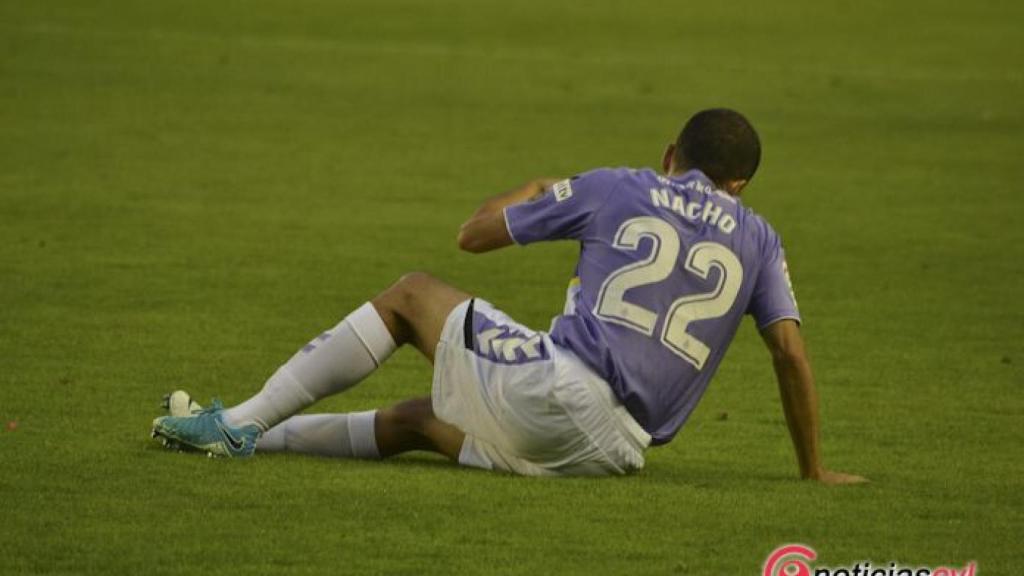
{"x": 735, "y": 187}
{"x": 667, "y": 160}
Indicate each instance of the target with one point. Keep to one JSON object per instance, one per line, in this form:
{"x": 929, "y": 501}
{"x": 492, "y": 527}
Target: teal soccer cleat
{"x": 206, "y": 431}
{"x": 179, "y": 404}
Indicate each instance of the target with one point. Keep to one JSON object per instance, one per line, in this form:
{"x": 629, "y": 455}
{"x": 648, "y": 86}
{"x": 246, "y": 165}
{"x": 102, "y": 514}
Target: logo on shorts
{"x": 499, "y": 344}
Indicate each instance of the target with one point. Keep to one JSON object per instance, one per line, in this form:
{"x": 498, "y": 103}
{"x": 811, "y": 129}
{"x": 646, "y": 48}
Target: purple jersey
{"x": 667, "y": 268}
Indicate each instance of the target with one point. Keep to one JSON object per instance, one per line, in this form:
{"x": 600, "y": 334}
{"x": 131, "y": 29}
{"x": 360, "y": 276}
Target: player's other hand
{"x": 834, "y": 478}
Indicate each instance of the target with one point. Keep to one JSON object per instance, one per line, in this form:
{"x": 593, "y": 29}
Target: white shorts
{"x": 525, "y": 404}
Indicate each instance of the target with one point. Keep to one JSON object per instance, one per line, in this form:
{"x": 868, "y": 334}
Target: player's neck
{"x": 680, "y": 172}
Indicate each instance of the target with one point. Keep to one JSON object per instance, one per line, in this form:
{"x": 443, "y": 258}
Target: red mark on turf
{"x": 12, "y": 425}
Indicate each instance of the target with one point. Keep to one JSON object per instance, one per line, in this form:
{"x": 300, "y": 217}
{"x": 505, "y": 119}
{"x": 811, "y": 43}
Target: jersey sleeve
{"x": 773, "y": 298}
{"x": 563, "y": 211}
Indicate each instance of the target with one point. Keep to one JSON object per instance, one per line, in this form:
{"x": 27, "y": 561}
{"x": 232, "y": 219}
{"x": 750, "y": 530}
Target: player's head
{"x": 719, "y": 142}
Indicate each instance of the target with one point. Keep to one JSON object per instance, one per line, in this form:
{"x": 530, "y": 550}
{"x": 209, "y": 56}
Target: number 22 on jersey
{"x": 656, "y": 267}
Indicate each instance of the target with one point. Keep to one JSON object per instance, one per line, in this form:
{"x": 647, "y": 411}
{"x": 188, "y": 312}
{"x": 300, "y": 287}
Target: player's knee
{"x": 399, "y": 299}
{"x": 414, "y": 282}
{"x": 404, "y": 294}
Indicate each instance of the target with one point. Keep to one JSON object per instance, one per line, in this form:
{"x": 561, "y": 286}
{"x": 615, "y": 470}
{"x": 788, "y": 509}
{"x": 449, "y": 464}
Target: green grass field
{"x": 190, "y": 190}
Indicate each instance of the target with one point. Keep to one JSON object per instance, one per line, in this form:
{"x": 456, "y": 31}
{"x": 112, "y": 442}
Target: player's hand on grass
{"x": 835, "y": 478}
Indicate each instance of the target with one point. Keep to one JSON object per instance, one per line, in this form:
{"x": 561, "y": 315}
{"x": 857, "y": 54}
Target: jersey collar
{"x": 694, "y": 173}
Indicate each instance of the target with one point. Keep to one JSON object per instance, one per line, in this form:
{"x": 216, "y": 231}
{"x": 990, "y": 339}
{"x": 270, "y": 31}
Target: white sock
{"x": 331, "y": 363}
{"x": 336, "y": 435}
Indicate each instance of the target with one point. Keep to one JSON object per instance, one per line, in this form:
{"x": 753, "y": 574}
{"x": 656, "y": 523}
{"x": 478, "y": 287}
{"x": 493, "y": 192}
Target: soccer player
{"x": 668, "y": 266}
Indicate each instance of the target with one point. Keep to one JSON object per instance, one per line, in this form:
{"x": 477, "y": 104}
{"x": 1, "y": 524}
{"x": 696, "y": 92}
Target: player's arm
{"x": 800, "y": 400}
{"x": 486, "y": 230}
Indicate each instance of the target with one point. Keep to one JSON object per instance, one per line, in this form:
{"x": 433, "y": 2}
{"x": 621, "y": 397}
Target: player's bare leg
{"x": 411, "y": 425}
{"x": 415, "y": 309}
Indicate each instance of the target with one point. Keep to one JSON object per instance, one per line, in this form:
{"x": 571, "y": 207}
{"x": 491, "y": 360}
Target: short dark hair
{"x": 721, "y": 143}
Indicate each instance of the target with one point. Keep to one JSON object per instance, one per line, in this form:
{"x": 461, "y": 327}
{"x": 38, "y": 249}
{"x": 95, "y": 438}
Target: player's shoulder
{"x": 618, "y": 175}
{"x": 755, "y": 219}
{"x": 757, "y": 228}
{"x": 598, "y": 185}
